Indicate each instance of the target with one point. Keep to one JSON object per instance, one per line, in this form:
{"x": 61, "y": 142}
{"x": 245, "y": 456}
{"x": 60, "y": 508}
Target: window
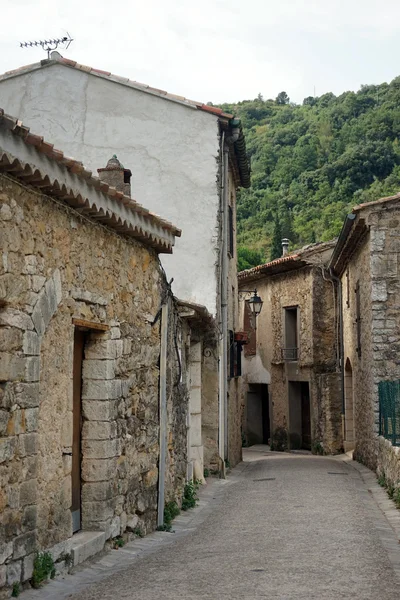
{"x": 348, "y": 288}
{"x": 290, "y": 350}
{"x": 249, "y": 322}
{"x": 235, "y": 356}
{"x": 358, "y": 318}
{"x": 230, "y": 240}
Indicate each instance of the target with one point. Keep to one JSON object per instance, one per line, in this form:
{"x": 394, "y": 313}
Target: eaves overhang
{"x": 275, "y": 267}
{"x": 28, "y": 158}
{"x": 353, "y": 231}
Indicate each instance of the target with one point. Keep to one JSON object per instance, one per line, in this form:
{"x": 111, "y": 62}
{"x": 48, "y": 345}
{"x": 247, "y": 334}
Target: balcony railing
{"x": 290, "y": 354}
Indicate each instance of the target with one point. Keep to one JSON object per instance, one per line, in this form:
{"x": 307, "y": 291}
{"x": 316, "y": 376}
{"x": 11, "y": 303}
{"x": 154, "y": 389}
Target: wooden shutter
{"x": 358, "y": 318}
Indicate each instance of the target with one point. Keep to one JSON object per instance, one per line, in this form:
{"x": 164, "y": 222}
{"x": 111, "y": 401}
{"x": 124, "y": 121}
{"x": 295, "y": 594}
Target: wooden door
{"x": 305, "y": 416}
{"x": 79, "y": 339}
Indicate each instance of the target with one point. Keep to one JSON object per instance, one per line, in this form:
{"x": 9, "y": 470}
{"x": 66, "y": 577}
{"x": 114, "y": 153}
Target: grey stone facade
{"x": 62, "y": 271}
{"x": 366, "y": 259}
{"x": 291, "y": 378}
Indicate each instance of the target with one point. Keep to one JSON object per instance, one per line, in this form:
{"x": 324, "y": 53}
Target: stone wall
{"x": 375, "y": 266}
{"x": 57, "y": 266}
{"x": 313, "y": 294}
{"x": 210, "y": 403}
{"x": 360, "y": 367}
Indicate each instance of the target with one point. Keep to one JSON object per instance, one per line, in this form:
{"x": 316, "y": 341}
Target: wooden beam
{"x": 90, "y": 325}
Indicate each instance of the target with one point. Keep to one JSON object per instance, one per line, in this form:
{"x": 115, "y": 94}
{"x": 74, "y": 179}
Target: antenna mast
{"x": 49, "y": 45}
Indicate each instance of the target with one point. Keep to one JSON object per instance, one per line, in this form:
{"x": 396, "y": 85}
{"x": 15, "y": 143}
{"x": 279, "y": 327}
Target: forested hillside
{"x": 312, "y": 162}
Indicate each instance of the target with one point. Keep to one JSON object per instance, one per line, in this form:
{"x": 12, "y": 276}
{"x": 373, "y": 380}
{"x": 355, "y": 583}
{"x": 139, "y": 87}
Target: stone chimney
{"x": 116, "y": 176}
{"x": 285, "y": 246}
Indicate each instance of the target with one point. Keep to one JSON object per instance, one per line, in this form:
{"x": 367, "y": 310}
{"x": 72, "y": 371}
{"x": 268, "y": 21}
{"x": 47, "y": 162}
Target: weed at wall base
{"x": 171, "y": 510}
{"x": 190, "y": 497}
{"x": 43, "y": 569}
{"x": 392, "y": 491}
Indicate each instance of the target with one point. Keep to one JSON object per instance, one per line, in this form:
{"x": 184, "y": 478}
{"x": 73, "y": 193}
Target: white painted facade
{"x": 171, "y": 148}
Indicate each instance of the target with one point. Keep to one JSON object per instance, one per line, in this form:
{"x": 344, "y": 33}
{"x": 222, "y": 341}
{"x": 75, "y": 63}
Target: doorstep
{"x": 86, "y": 544}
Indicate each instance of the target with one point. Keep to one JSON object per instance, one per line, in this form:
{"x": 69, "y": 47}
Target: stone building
{"x": 366, "y": 260}
{"x": 291, "y": 371}
{"x": 188, "y": 160}
{"x": 93, "y": 359}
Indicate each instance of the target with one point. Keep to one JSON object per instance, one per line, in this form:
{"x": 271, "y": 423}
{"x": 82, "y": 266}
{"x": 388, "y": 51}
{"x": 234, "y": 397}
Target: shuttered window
{"x": 230, "y": 241}
{"x": 358, "y": 318}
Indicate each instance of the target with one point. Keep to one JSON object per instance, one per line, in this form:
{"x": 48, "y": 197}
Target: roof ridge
{"x": 118, "y": 79}
{"x": 383, "y": 200}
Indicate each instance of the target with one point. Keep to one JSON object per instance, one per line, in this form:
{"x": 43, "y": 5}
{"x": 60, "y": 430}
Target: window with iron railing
{"x": 290, "y": 353}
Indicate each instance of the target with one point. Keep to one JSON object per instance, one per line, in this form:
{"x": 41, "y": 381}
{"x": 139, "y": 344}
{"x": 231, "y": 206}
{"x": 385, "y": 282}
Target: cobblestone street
{"x": 284, "y": 526}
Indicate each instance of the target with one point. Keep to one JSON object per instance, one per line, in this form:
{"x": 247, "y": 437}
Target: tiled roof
{"x": 353, "y": 232}
{"x": 57, "y": 58}
{"x": 302, "y": 257}
{"x": 147, "y": 224}
{"x": 360, "y": 207}
{"x": 261, "y": 269}
{"x": 243, "y": 164}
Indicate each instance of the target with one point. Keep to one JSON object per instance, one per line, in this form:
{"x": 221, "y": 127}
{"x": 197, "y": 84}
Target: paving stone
{"x": 304, "y": 535}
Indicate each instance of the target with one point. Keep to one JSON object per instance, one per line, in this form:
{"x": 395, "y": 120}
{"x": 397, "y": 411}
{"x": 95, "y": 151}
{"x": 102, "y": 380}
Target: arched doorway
{"x": 349, "y": 407}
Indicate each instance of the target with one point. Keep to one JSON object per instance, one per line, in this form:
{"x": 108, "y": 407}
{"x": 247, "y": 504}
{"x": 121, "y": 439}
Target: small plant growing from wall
{"x": 171, "y": 510}
{"x": 382, "y": 480}
{"x": 206, "y": 473}
{"x": 66, "y": 557}
{"x": 279, "y": 441}
{"x": 317, "y": 448}
{"x": 43, "y": 569}
{"x": 118, "y": 542}
{"x": 392, "y": 491}
{"x": 16, "y": 589}
{"x": 138, "y": 531}
{"x": 190, "y": 498}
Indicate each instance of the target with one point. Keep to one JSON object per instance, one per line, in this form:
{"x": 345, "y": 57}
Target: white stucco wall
{"x": 171, "y": 150}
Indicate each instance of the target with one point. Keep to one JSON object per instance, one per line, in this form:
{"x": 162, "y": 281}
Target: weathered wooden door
{"x": 79, "y": 339}
{"x": 305, "y": 416}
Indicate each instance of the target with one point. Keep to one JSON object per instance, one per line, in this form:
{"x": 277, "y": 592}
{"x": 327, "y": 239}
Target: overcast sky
{"x": 217, "y": 50}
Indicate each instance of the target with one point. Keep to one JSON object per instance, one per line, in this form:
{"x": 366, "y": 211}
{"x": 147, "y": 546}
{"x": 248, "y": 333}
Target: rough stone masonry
{"x": 58, "y": 269}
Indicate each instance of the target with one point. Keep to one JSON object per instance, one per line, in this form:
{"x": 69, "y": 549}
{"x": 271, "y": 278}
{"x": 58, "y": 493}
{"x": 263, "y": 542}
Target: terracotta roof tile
{"x": 33, "y": 140}
{"x": 265, "y": 266}
{"x": 375, "y": 202}
{"x": 46, "y": 148}
{"x": 100, "y": 72}
{"x": 67, "y": 61}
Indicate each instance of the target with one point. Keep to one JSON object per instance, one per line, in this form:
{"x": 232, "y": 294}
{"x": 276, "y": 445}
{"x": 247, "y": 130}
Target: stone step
{"x": 86, "y": 544}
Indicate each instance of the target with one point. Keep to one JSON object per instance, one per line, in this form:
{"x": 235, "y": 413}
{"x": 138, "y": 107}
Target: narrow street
{"x": 284, "y": 526}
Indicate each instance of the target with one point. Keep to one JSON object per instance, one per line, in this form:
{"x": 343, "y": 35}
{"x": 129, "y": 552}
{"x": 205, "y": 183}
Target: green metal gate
{"x": 389, "y": 411}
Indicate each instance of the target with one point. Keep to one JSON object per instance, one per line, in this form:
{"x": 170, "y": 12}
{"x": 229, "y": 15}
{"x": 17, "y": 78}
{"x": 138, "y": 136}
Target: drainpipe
{"x": 163, "y": 412}
{"x": 341, "y": 344}
{"x": 223, "y": 349}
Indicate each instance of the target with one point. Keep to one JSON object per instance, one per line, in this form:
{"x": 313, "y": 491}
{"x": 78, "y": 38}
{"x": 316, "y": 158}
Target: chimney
{"x": 116, "y": 176}
{"x": 285, "y": 246}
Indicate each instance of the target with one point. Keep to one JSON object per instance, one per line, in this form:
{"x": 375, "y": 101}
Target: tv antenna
{"x": 49, "y": 45}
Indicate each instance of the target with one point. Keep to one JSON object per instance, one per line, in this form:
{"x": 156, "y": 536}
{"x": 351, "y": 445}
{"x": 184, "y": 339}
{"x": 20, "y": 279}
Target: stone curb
{"x": 106, "y": 564}
{"x": 384, "y": 514}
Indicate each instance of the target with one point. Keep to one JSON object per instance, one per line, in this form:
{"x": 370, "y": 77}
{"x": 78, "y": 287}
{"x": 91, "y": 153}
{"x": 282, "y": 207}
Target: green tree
{"x": 276, "y": 245}
{"x": 282, "y": 98}
{"x": 312, "y": 162}
{"x": 247, "y": 258}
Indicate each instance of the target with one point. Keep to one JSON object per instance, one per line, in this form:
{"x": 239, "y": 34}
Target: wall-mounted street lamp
{"x": 254, "y": 301}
